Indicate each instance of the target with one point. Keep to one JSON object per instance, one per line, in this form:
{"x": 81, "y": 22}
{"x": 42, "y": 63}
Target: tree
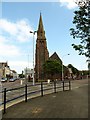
{"x": 52, "y": 67}
{"x": 21, "y": 75}
{"x": 82, "y": 28}
{"x": 85, "y": 72}
{"x": 74, "y": 70}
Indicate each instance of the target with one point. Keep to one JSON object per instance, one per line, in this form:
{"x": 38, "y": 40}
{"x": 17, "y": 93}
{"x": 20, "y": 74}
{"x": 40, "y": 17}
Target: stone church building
{"x": 41, "y": 53}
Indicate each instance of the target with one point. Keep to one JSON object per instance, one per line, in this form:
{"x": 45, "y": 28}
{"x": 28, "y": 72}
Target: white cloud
{"x": 2, "y": 39}
{"x": 7, "y": 49}
{"x": 17, "y": 30}
{"x": 11, "y": 32}
{"x": 19, "y": 65}
{"x": 8, "y": 27}
{"x": 12, "y": 37}
{"x": 70, "y": 4}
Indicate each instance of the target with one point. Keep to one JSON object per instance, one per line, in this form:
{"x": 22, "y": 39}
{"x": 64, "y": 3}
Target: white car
{"x": 12, "y": 79}
{"x": 3, "y": 79}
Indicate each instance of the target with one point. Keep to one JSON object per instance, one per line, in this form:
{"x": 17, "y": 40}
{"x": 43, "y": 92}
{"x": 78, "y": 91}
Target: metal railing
{"x": 29, "y": 90}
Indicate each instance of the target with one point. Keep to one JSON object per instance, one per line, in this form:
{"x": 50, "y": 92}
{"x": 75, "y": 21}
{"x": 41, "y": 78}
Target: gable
{"x": 54, "y": 56}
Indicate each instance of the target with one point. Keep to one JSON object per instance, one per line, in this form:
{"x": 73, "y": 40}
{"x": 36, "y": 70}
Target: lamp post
{"x": 88, "y": 64}
{"x": 33, "y": 32}
{"x": 26, "y": 76}
{"x": 62, "y": 67}
{"x": 88, "y": 67}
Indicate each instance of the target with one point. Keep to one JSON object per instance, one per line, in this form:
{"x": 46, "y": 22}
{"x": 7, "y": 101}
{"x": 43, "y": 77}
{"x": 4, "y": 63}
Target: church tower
{"x": 42, "y": 53}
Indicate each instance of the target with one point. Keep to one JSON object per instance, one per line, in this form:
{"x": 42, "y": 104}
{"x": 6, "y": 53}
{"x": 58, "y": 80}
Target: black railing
{"x": 25, "y": 93}
{"x": 54, "y": 86}
{"x": 4, "y": 100}
{"x": 43, "y": 86}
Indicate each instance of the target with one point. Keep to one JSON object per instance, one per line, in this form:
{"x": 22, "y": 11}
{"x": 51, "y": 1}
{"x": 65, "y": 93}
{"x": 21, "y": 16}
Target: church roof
{"x": 55, "y": 56}
{"x": 40, "y": 27}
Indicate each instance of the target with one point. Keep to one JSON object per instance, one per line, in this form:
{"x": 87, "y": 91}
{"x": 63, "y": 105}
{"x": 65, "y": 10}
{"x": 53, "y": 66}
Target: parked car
{"x": 3, "y": 79}
{"x": 12, "y": 79}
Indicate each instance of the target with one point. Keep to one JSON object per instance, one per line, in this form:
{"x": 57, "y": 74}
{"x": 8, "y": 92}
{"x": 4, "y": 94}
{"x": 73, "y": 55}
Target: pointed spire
{"x": 40, "y": 27}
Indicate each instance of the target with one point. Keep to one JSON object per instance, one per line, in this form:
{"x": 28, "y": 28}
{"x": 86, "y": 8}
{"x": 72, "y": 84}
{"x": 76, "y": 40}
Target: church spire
{"x": 41, "y": 51}
{"x": 40, "y": 27}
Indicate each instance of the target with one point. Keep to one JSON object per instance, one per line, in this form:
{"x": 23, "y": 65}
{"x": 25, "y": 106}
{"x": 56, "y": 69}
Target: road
{"x": 13, "y": 84}
{"x": 68, "y": 104}
{"x": 15, "y": 93}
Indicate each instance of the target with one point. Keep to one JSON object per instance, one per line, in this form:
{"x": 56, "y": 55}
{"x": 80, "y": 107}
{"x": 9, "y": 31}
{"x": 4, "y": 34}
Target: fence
{"x": 29, "y": 90}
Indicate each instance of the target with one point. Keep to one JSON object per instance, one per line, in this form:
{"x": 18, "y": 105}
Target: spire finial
{"x": 40, "y": 12}
{"x": 40, "y": 27}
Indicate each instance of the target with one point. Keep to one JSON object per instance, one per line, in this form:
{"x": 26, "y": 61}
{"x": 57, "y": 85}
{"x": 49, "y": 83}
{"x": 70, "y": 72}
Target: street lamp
{"x": 33, "y": 32}
{"x": 62, "y": 67}
{"x": 88, "y": 66}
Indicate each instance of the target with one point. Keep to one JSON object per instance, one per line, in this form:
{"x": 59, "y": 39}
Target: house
{"x": 28, "y": 73}
{"x": 4, "y": 69}
{"x": 6, "y": 72}
{"x": 13, "y": 74}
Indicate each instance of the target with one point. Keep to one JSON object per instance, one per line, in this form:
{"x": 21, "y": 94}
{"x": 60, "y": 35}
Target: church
{"x": 42, "y": 53}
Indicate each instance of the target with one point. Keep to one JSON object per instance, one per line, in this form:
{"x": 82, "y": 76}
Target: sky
{"x": 20, "y": 17}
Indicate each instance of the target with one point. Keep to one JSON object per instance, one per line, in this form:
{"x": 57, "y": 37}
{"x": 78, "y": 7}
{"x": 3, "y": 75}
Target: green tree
{"x": 85, "y": 72}
{"x": 21, "y": 75}
{"x": 52, "y": 67}
{"x": 81, "y": 30}
{"x": 74, "y": 70}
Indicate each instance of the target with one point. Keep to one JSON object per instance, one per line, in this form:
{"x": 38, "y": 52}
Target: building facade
{"x": 28, "y": 74}
{"x": 41, "y": 54}
{"x": 4, "y": 70}
{"x": 55, "y": 56}
{"x": 13, "y": 74}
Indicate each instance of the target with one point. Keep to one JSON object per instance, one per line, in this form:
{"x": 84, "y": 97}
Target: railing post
{"x": 26, "y": 93}
{"x": 4, "y": 101}
{"x": 69, "y": 85}
{"x": 41, "y": 88}
{"x": 54, "y": 86}
{"x": 63, "y": 85}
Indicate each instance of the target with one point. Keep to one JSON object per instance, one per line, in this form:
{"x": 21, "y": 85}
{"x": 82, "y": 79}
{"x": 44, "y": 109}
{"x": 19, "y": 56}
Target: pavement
{"x": 63, "y": 104}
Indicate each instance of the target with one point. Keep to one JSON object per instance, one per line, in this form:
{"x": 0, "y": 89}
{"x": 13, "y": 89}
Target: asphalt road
{"x": 17, "y": 83}
{"x": 67, "y": 104}
{"x": 15, "y": 93}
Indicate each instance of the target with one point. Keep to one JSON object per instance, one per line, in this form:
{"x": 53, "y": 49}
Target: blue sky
{"x": 19, "y": 18}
